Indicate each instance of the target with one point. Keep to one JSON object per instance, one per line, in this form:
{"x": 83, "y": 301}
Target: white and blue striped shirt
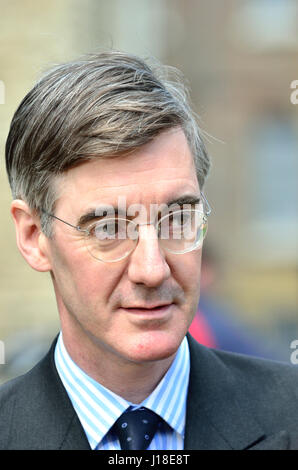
{"x": 98, "y": 408}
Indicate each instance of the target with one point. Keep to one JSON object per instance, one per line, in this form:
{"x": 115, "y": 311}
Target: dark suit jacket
{"x": 234, "y": 402}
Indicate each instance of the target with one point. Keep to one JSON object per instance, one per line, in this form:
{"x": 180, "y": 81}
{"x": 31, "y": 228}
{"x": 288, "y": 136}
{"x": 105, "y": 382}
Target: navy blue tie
{"x": 135, "y": 429}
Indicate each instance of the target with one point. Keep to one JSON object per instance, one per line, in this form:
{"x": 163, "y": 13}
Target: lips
{"x": 146, "y": 307}
{"x": 155, "y": 312}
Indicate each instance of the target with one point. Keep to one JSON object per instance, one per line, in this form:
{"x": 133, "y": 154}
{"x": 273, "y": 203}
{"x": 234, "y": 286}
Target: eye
{"x": 105, "y": 230}
{"x": 109, "y": 229}
{"x": 179, "y": 219}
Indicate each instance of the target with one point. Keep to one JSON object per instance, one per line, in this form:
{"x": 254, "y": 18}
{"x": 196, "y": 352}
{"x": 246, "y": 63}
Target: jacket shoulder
{"x": 18, "y": 398}
{"x": 263, "y": 388}
{"x": 258, "y": 370}
{"x": 8, "y": 396}
{"x": 247, "y": 368}
{"x": 29, "y": 415}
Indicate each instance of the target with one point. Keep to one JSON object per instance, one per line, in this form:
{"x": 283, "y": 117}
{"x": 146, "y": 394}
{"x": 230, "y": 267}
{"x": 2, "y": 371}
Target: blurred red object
{"x": 201, "y": 331}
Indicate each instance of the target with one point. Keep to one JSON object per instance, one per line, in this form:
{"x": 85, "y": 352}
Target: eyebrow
{"x": 186, "y": 199}
{"x": 92, "y": 213}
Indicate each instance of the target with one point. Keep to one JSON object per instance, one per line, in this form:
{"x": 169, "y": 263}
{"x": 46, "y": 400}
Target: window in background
{"x": 266, "y": 24}
{"x": 271, "y": 168}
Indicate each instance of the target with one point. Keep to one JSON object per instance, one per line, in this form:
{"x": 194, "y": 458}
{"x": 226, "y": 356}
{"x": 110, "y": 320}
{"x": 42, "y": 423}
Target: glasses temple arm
{"x": 77, "y": 227}
{"x": 208, "y": 208}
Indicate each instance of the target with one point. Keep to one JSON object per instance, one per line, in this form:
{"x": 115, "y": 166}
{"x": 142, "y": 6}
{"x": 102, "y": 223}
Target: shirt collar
{"x": 98, "y": 407}
{"x": 168, "y": 399}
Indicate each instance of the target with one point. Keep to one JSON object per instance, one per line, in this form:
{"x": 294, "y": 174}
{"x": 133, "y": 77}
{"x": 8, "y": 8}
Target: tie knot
{"x": 136, "y": 428}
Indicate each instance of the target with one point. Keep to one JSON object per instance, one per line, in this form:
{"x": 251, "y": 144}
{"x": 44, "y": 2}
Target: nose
{"x": 147, "y": 264}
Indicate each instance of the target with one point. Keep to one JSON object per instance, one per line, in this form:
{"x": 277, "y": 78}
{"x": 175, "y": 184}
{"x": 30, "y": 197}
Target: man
{"x": 107, "y": 167}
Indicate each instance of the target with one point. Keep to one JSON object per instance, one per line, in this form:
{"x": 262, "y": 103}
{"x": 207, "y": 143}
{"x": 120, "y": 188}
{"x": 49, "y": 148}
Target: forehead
{"x": 160, "y": 170}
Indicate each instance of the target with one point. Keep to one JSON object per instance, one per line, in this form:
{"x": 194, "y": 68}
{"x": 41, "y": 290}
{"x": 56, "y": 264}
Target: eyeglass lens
{"x": 113, "y": 239}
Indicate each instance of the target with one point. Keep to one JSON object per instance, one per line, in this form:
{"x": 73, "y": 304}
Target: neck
{"x": 133, "y": 381}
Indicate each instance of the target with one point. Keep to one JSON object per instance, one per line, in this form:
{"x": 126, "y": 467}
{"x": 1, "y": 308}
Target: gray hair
{"x": 101, "y": 105}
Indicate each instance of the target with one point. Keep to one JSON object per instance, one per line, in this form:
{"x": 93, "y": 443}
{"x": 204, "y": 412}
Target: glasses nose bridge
{"x": 147, "y": 244}
{"x": 149, "y": 235}
{"x": 146, "y": 237}
{"x": 146, "y": 223}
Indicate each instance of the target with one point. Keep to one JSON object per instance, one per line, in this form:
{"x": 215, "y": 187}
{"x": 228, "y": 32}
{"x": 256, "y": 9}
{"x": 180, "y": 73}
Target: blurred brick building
{"x": 239, "y": 57}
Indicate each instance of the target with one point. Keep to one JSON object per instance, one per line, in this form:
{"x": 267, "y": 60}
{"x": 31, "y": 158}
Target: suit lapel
{"x": 215, "y": 418}
{"x": 74, "y": 438}
{"x": 44, "y": 417}
{"x": 68, "y": 434}
{"x": 278, "y": 441}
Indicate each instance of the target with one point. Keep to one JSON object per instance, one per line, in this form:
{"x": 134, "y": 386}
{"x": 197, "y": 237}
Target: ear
{"x": 31, "y": 242}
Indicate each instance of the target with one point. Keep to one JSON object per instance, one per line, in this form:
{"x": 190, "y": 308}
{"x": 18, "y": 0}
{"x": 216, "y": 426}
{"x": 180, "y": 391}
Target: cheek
{"x": 97, "y": 287}
{"x": 81, "y": 281}
{"x": 93, "y": 285}
{"x": 187, "y": 274}
{"x": 187, "y": 271}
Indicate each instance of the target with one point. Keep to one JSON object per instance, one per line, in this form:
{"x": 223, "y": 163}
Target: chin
{"x": 155, "y": 346}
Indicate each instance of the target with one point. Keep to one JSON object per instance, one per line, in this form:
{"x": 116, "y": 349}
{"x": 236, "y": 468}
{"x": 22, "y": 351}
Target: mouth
{"x": 153, "y": 311}
{"x": 146, "y": 307}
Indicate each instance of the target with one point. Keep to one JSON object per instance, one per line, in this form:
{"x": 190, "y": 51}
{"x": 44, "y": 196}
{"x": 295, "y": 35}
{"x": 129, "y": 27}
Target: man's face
{"x": 97, "y": 301}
